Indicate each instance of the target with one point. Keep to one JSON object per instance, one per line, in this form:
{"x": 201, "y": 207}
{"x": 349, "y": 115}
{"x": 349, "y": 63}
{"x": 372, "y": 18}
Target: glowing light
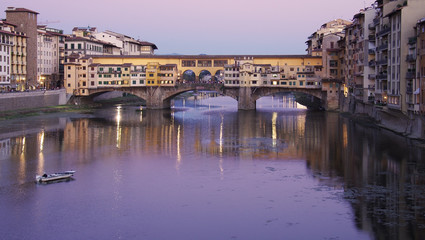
{"x": 23, "y": 146}
{"x": 41, "y": 141}
{"x": 179, "y": 157}
{"x": 274, "y": 130}
{"x": 221, "y": 136}
{"x": 118, "y": 132}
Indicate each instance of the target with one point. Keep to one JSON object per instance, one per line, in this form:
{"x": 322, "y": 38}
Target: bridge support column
{"x": 245, "y": 100}
{"x": 155, "y": 99}
{"x": 331, "y": 101}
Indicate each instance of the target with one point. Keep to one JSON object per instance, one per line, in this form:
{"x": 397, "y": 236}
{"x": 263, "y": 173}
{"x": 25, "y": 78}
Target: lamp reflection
{"x": 118, "y": 133}
{"x": 274, "y": 131}
{"x": 179, "y": 156}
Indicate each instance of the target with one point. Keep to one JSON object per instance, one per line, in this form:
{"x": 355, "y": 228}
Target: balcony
{"x": 371, "y": 51}
{"x": 411, "y": 58}
{"x": 386, "y": 30}
{"x": 381, "y": 77}
{"x": 382, "y": 47}
{"x": 376, "y": 21}
{"x": 410, "y": 74}
{"x": 382, "y": 62}
{"x": 371, "y": 37}
{"x": 412, "y": 40}
{"x": 372, "y": 26}
{"x": 372, "y": 76}
{"x": 372, "y": 63}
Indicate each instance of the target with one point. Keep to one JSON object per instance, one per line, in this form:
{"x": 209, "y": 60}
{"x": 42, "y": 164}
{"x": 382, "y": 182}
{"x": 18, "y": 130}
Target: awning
{"x": 417, "y": 91}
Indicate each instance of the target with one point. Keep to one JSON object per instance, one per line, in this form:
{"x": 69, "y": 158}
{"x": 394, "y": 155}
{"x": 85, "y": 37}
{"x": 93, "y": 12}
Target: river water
{"x": 204, "y": 170}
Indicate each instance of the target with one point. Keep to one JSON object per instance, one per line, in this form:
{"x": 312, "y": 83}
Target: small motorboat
{"x": 54, "y": 176}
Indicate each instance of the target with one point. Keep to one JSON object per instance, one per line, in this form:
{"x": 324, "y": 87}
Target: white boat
{"x": 54, "y": 176}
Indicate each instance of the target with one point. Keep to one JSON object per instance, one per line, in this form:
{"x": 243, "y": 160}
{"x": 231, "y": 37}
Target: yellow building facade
{"x": 83, "y": 73}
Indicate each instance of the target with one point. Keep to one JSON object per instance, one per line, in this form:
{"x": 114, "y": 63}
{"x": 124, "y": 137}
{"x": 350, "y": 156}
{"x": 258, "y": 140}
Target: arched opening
{"x": 117, "y": 97}
{"x": 202, "y": 98}
{"x": 219, "y": 76}
{"x": 289, "y": 100}
{"x": 189, "y": 76}
{"x": 205, "y": 76}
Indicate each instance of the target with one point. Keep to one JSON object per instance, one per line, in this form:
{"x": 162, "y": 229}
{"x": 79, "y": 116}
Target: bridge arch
{"x": 205, "y": 76}
{"x": 189, "y": 76}
{"x": 219, "y": 76}
{"x": 306, "y": 99}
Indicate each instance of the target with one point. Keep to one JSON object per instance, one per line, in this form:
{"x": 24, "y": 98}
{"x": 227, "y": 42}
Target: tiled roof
{"x": 11, "y": 9}
{"x": 13, "y": 34}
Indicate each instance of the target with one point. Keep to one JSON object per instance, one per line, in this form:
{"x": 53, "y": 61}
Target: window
{"x": 188, "y": 63}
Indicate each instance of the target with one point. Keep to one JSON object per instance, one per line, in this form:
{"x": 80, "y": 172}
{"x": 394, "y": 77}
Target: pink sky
{"x": 200, "y": 26}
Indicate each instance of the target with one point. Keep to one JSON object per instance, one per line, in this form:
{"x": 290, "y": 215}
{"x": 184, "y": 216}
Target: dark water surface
{"x": 205, "y": 170}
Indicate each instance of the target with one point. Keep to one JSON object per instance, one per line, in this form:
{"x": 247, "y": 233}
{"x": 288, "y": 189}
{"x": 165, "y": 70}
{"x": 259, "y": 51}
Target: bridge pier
{"x": 155, "y": 99}
{"x": 245, "y": 100}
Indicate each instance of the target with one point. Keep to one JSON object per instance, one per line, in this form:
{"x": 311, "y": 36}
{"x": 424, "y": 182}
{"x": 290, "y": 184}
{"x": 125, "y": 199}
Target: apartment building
{"x": 14, "y": 58}
{"x": 247, "y": 74}
{"x": 360, "y": 56}
{"x": 84, "y": 31}
{"x": 397, "y": 19}
{"x": 326, "y": 42}
{"x": 6, "y": 43}
{"x": 84, "y": 46}
{"x": 420, "y": 43}
{"x": 81, "y": 74}
{"x": 49, "y": 42}
{"x": 315, "y": 40}
{"x": 24, "y": 56}
{"x": 126, "y": 44}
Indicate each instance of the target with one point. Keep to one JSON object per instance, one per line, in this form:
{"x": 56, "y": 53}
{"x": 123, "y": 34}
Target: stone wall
{"x": 412, "y": 126}
{"x": 35, "y": 99}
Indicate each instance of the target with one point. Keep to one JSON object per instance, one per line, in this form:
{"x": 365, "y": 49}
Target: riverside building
{"x": 6, "y": 43}
{"x": 50, "y": 44}
{"x": 24, "y": 56}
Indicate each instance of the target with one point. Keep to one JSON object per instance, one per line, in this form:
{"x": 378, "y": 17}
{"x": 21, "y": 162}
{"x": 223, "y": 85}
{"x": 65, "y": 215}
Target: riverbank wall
{"x": 34, "y": 99}
{"x": 411, "y": 126}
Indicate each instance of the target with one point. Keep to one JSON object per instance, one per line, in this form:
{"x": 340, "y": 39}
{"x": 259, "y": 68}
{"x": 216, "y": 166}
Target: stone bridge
{"x": 159, "y": 97}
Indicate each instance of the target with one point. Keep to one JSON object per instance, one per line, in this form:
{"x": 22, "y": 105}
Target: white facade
{"x": 126, "y": 44}
{"x": 138, "y": 75}
{"x": 47, "y": 58}
{"x": 5, "y": 49}
{"x": 6, "y": 43}
{"x": 84, "y": 46}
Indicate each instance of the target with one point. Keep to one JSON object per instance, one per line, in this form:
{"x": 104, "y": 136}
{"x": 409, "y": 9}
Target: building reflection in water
{"x": 382, "y": 175}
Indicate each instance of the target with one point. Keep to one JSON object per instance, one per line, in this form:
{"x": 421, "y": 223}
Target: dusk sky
{"x": 199, "y": 26}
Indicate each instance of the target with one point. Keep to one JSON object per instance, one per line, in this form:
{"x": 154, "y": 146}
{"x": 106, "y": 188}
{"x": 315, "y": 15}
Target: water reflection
{"x": 381, "y": 176}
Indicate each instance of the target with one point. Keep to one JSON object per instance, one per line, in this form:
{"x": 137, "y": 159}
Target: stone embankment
{"x": 33, "y": 99}
{"x": 411, "y": 126}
